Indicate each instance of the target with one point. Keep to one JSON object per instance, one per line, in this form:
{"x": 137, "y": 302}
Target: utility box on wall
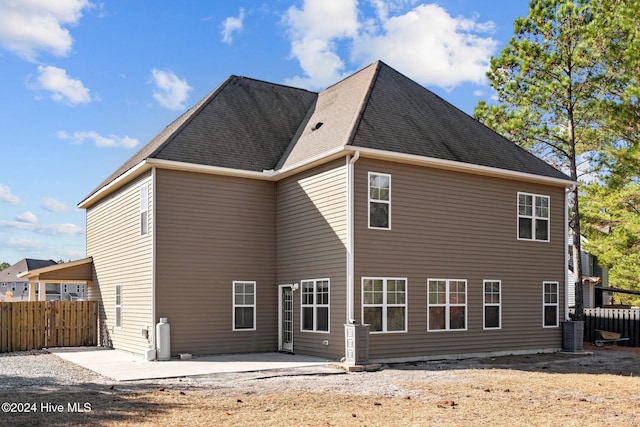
{"x": 356, "y": 344}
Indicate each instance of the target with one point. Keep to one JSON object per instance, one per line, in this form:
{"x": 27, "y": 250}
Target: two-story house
{"x": 267, "y": 217}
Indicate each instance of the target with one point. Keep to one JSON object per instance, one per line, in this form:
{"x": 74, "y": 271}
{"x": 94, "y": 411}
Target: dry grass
{"x": 500, "y": 396}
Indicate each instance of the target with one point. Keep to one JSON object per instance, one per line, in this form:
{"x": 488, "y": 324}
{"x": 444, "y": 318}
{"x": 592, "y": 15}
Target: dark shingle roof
{"x": 247, "y": 125}
{"x": 402, "y": 116}
{"x": 243, "y": 124}
{"x": 10, "y": 274}
{"x": 253, "y": 125}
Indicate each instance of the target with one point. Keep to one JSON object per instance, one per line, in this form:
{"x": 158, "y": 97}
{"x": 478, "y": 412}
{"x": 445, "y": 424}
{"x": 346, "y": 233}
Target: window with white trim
{"x": 379, "y": 200}
{"x": 384, "y": 304}
{"x": 550, "y": 304}
{"x": 446, "y": 304}
{"x": 244, "y": 306}
{"x": 315, "y": 305}
{"x": 492, "y": 315}
{"x": 118, "y": 305}
{"x": 144, "y": 209}
{"x": 533, "y": 217}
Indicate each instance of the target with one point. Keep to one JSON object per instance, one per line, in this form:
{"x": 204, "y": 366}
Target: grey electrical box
{"x": 356, "y": 344}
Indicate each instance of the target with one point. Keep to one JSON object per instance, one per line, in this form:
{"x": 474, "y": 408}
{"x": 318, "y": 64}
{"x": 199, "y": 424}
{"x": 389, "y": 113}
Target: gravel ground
{"x": 598, "y": 389}
{"x": 39, "y": 370}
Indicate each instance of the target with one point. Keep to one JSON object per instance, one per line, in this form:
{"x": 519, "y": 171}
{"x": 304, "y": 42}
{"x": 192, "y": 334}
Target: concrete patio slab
{"x": 122, "y": 366}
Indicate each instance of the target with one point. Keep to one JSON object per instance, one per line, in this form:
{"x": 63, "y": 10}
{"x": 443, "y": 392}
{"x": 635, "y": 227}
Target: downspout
{"x": 350, "y": 237}
{"x": 566, "y": 253}
{"x": 154, "y": 343}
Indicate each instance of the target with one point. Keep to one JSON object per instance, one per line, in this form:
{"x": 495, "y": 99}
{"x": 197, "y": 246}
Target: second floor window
{"x": 533, "y": 217}
{"x": 379, "y": 200}
{"x": 144, "y": 210}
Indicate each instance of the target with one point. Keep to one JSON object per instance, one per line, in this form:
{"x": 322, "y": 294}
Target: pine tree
{"x": 549, "y": 81}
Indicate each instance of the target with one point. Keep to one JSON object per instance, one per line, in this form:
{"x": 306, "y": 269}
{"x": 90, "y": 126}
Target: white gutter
{"x": 215, "y": 170}
{"x": 115, "y": 184}
{"x": 350, "y": 237}
{"x": 461, "y": 167}
{"x": 321, "y": 158}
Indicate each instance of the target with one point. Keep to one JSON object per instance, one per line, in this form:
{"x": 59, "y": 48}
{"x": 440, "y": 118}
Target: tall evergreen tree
{"x": 612, "y": 203}
{"x": 549, "y": 81}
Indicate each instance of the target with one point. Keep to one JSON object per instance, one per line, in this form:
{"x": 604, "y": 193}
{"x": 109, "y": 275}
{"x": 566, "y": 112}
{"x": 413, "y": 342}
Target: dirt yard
{"x": 598, "y": 389}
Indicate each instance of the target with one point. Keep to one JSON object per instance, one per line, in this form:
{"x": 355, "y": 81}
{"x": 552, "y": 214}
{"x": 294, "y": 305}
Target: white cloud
{"x": 232, "y": 25}
{"x": 23, "y": 245}
{"x": 52, "y": 205}
{"x": 41, "y": 249}
{"x": 171, "y": 92}
{"x": 314, "y": 31}
{"x": 47, "y": 229}
{"x": 98, "y": 140}
{"x": 27, "y": 27}
{"x": 59, "y": 229}
{"x": 7, "y": 197}
{"x": 431, "y": 46}
{"x": 63, "y": 88}
{"x": 27, "y": 217}
{"x": 425, "y": 42}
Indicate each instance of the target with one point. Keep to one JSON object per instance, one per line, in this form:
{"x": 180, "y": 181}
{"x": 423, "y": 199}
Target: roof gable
{"x": 332, "y": 119}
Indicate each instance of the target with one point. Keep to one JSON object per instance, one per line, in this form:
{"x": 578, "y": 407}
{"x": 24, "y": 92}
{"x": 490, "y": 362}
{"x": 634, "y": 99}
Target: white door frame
{"x": 282, "y": 346}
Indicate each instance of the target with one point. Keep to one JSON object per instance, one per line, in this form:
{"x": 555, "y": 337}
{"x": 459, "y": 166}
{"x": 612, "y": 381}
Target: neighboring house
{"x": 594, "y": 278}
{"x": 11, "y": 280}
{"x": 267, "y": 217}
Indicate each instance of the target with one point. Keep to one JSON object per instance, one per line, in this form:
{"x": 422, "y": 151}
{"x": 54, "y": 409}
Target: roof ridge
{"x": 365, "y": 101}
{"x": 296, "y": 136}
{"x": 361, "y": 70}
{"x": 274, "y": 84}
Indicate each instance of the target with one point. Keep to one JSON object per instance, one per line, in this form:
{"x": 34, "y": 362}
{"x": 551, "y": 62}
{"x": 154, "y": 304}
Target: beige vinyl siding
{"x": 210, "y": 231}
{"x": 122, "y": 256}
{"x": 449, "y": 225}
{"x": 311, "y": 224}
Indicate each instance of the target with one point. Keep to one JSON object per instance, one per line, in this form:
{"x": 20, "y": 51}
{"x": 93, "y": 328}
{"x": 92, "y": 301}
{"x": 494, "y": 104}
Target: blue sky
{"x": 87, "y": 83}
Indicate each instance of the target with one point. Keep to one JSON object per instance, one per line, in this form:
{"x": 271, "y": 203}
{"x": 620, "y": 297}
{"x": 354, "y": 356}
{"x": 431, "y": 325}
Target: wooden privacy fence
{"x": 34, "y": 325}
{"x": 622, "y": 320}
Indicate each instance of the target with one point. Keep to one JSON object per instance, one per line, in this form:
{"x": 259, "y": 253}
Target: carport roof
{"x": 67, "y": 272}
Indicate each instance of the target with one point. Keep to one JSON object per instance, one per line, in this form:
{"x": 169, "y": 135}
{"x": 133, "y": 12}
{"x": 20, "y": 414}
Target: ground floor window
{"x": 492, "y": 304}
{"x": 550, "y": 304}
{"x": 118, "y": 306}
{"x": 315, "y": 305}
{"x": 447, "y": 304}
{"x": 384, "y": 304}
{"x": 244, "y": 306}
